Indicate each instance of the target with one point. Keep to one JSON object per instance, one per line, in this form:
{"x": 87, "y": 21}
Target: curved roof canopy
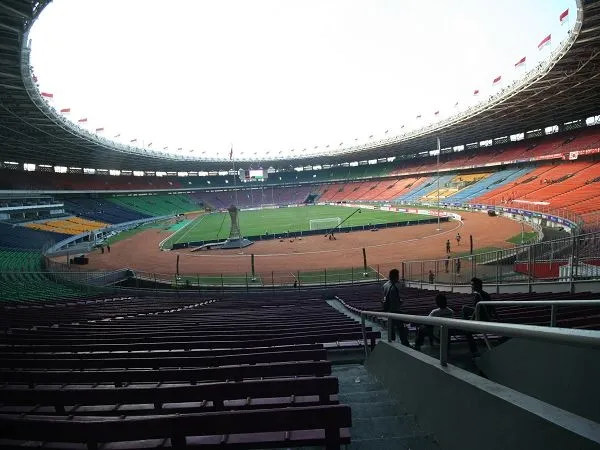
{"x": 567, "y": 88}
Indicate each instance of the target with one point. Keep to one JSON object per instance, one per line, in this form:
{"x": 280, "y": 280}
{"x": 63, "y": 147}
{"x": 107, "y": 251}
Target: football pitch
{"x": 279, "y": 221}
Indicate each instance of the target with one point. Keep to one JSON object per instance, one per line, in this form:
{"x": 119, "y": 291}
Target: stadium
{"x": 156, "y": 299}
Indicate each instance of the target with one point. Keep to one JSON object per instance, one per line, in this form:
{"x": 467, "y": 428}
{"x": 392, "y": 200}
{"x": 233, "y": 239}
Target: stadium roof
{"x": 565, "y": 88}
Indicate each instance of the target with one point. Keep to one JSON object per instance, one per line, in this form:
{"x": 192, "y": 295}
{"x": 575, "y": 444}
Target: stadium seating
{"x": 102, "y": 210}
{"x": 22, "y": 279}
{"x": 14, "y": 236}
{"x": 157, "y": 205}
{"x": 227, "y": 362}
{"x": 494, "y": 181}
{"x": 69, "y": 225}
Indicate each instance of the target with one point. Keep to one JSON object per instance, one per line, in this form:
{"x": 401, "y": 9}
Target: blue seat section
{"x": 26, "y": 238}
{"x": 102, "y": 210}
{"x": 481, "y": 187}
{"x": 424, "y": 189}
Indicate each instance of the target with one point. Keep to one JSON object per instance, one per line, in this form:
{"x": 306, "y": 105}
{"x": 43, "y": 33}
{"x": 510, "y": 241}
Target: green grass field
{"x": 280, "y": 220}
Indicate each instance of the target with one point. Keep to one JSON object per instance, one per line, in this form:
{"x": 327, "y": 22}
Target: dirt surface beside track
{"x": 385, "y": 249}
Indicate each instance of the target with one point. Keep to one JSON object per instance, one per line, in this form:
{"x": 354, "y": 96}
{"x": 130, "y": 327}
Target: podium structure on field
{"x": 235, "y": 240}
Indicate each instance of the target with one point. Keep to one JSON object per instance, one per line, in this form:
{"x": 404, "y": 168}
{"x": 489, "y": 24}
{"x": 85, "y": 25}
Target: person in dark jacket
{"x": 392, "y": 303}
{"x": 486, "y": 313}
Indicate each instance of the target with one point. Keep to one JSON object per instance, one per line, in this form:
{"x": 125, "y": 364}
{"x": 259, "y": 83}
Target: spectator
{"x": 486, "y": 313}
{"x": 457, "y": 265}
{"x": 392, "y": 303}
{"x": 447, "y": 263}
{"x": 108, "y": 248}
{"x": 431, "y": 277}
{"x": 431, "y": 331}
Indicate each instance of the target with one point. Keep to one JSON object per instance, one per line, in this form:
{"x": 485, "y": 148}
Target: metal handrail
{"x": 568, "y": 336}
{"x": 554, "y": 304}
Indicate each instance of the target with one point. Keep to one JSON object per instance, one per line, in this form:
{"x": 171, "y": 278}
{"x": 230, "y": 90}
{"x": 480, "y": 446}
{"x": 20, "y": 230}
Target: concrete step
{"x": 382, "y": 427}
{"x": 398, "y": 443}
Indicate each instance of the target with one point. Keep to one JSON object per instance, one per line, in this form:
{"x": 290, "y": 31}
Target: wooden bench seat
{"x": 239, "y": 395}
{"x": 7, "y": 353}
{"x": 279, "y": 427}
{"x": 193, "y": 344}
{"x": 156, "y": 362}
{"x": 58, "y": 337}
{"x": 193, "y": 375}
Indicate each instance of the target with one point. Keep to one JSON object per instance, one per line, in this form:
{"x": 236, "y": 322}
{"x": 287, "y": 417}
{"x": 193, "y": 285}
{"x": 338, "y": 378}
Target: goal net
{"x": 326, "y": 223}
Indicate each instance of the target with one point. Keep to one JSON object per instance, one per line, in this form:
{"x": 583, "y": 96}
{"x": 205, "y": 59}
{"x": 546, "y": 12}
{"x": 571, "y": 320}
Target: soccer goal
{"x": 326, "y": 223}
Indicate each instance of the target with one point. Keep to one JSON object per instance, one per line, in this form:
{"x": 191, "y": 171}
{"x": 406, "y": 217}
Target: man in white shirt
{"x": 442, "y": 310}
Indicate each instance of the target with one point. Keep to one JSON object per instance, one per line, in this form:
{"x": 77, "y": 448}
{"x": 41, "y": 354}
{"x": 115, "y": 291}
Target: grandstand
{"x": 122, "y": 358}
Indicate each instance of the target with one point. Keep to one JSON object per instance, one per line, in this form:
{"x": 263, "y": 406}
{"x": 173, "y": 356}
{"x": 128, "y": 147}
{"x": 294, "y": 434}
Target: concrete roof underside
{"x": 29, "y": 132}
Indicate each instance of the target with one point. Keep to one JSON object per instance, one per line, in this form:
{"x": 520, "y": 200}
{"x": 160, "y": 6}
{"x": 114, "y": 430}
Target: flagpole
{"x": 438, "y": 184}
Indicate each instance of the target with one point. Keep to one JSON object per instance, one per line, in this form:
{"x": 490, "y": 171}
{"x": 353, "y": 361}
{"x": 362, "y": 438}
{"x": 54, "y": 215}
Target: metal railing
{"x": 554, "y": 304}
{"x": 568, "y": 336}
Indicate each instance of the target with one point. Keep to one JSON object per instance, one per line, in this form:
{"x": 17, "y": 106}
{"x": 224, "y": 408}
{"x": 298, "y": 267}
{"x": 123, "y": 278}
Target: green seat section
{"x": 157, "y": 205}
{"x": 22, "y": 279}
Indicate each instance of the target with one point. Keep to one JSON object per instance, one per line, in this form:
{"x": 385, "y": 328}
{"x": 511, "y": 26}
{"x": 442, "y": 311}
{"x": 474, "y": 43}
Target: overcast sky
{"x": 276, "y": 75}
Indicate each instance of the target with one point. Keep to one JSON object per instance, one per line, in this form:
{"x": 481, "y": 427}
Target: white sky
{"x": 275, "y": 75}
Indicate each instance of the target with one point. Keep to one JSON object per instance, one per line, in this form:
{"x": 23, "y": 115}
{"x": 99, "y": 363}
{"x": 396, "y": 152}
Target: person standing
{"x": 486, "y": 313}
{"x": 431, "y": 276}
{"x": 458, "y": 238}
{"x": 392, "y": 303}
{"x": 448, "y": 246}
{"x": 447, "y": 263}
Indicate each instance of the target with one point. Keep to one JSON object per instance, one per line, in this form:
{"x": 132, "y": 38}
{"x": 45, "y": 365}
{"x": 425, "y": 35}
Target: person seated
{"x": 431, "y": 331}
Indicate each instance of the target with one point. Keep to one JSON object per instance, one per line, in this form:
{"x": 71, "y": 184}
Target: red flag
{"x": 564, "y": 16}
{"x": 497, "y": 79}
{"x": 520, "y": 62}
{"x": 47, "y": 95}
{"x": 545, "y": 41}
{"x": 99, "y": 129}
{"x": 476, "y": 92}
{"x": 231, "y": 153}
{"x": 65, "y": 110}
{"x": 82, "y": 120}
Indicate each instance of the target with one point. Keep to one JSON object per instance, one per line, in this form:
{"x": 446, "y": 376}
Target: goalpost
{"x": 326, "y": 223}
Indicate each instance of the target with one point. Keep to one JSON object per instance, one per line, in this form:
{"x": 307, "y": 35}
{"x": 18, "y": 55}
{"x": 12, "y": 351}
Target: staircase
{"x": 378, "y": 421}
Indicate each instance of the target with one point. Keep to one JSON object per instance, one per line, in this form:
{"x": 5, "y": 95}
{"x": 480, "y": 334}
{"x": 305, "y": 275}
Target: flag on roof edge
{"x": 118, "y": 135}
{"x": 475, "y": 92}
{"x": 456, "y": 104}
{"x": 231, "y": 153}
{"x": 419, "y": 116}
{"x": 82, "y": 120}
{"x": 133, "y": 140}
{"x": 99, "y": 129}
{"x": 47, "y": 95}
{"x": 521, "y": 62}
{"x": 65, "y": 110}
{"x": 564, "y": 16}
{"x": 436, "y": 113}
{"x": 497, "y": 79}
{"x": 545, "y": 41}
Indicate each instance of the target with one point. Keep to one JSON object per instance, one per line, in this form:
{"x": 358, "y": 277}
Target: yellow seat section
{"x": 71, "y": 225}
